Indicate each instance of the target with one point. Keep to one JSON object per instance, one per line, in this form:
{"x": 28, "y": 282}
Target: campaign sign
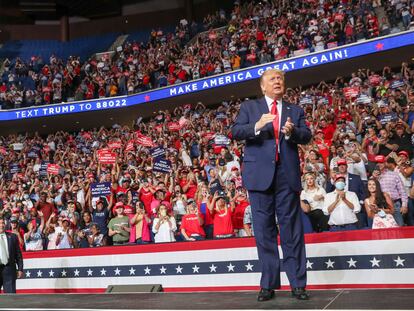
{"x": 174, "y": 126}
{"x": 130, "y": 146}
{"x": 221, "y": 115}
{"x": 32, "y": 154}
{"x": 389, "y": 117}
{"x": 106, "y": 157}
{"x": 351, "y": 92}
{"x": 15, "y": 168}
{"x": 162, "y": 165}
{"x": 115, "y": 145}
{"x": 43, "y": 168}
{"x": 17, "y": 146}
{"x": 144, "y": 140}
{"x": 221, "y": 140}
{"x": 397, "y": 83}
{"x": 53, "y": 169}
{"x": 100, "y": 189}
{"x": 157, "y": 152}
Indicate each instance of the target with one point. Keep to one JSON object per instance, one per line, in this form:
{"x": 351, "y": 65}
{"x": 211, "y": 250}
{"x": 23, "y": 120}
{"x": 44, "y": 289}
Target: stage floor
{"x": 378, "y": 299}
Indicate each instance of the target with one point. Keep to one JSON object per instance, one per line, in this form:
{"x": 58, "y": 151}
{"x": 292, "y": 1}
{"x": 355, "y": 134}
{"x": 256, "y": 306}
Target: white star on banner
{"x": 89, "y": 272}
{"x": 51, "y": 273}
{"x": 179, "y": 269}
{"x": 63, "y": 272}
{"x": 249, "y": 267}
{"x": 329, "y": 263}
{"x": 132, "y": 271}
{"x": 103, "y": 272}
{"x": 213, "y": 268}
{"x": 399, "y": 262}
{"x": 76, "y": 272}
{"x": 39, "y": 274}
{"x": 163, "y": 269}
{"x": 195, "y": 269}
{"x": 230, "y": 267}
{"x": 352, "y": 263}
{"x": 28, "y": 274}
{"x": 375, "y": 262}
{"x": 117, "y": 271}
{"x": 309, "y": 264}
{"x": 147, "y": 270}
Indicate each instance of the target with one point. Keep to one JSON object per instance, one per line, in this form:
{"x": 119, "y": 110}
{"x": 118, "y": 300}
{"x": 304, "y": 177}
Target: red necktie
{"x": 276, "y": 127}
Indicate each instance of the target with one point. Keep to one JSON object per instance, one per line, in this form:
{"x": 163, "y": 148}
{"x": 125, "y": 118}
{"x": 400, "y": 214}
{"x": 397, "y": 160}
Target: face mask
{"x": 346, "y": 141}
{"x": 26, "y": 196}
{"x": 340, "y": 185}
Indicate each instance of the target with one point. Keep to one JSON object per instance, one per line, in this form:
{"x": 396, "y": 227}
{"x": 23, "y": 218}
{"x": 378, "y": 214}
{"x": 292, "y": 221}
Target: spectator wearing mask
{"x": 342, "y": 206}
{"x": 164, "y": 226}
{"x": 353, "y": 183}
{"x": 312, "y": 201}
{"x": 119, "y": 226}
{"x": 391, "y": 183}
{"x": 379, "y": 206}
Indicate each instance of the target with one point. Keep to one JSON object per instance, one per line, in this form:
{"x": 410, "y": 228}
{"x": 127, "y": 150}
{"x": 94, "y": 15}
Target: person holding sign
{"x": 272, "y": 129}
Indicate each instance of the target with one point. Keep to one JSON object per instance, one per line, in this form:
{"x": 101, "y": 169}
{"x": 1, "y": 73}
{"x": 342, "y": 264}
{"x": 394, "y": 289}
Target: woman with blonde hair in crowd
{"x": 311, "y": 201}
{"x": 164, "y": 226}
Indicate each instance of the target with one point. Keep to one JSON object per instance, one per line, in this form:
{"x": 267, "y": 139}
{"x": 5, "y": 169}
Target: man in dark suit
{"x": 354, "y": 184}
{"x": 10, "y": 256}
{"x": 272, "y": 129}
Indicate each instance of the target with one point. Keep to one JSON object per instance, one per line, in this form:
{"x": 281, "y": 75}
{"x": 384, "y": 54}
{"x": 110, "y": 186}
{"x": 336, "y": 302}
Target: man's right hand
{"x": 265, "y": 119}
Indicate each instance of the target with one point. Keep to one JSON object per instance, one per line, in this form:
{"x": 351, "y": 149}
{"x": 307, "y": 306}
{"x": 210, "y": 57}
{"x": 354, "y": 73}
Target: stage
{"x": 374, "y": 299}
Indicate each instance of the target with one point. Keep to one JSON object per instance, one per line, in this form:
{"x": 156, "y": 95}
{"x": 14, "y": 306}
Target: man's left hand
{"x": 287, "y": 129}
{"x": 19, "y": 274}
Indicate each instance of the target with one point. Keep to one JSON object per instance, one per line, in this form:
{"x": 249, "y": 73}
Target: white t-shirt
{"x": 165, "y": 233}
{"x": 309, "y": 195}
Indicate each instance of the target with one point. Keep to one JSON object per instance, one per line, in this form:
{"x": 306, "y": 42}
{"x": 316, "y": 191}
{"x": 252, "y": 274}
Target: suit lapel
{"x": 264, "y": 108}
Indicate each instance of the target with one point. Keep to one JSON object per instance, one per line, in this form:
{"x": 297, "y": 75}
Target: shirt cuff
{"x": 255, "y": 131}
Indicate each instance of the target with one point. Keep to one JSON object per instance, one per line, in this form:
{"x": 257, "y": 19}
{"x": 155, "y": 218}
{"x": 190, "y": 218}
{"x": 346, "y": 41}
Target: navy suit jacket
{"x": 354, "y": 184}
{"x": 259, "y": 165}
{"x": 15, "y": 254}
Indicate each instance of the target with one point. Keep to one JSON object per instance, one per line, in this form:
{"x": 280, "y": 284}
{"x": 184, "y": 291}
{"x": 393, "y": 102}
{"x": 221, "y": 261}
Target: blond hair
{"x": 273, "y": 70}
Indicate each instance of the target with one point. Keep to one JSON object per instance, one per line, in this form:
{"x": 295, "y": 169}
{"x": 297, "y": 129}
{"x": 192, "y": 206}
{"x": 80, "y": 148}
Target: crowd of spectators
{"x": 252, "y": 33}
{"x": 361, "y": 155}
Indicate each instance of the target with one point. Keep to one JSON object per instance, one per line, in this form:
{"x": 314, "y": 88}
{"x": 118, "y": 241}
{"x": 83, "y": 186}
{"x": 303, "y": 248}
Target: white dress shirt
{"x": 342, "y": 214}
{"x": 4, "y": 249}
{"x": 269, "y": 103}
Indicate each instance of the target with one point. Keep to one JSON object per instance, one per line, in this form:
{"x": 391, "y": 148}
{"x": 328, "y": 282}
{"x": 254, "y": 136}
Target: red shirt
{"x": 238, "y": 214}
{"x": 145, "y": 196}
{"x": 191, "y": 225}
{"x": 222, "y": 222}
{"x": 47, "y": 209}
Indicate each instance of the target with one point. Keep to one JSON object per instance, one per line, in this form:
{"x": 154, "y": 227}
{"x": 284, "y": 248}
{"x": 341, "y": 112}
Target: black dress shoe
{"x": 265, "y": 294}
{"x": 300, "y": 293}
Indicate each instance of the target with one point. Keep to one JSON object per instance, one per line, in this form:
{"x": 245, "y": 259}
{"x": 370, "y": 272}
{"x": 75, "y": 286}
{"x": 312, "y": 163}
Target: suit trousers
{"x": 8, "y": 275}
{"x": 281, "y": 201}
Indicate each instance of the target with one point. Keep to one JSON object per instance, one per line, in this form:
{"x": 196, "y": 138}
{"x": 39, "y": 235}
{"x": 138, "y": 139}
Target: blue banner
{"x": 100, "y": 189}
{"x": 161, "y": 165}
{"x": 291, "y": 64}
{"x": 157, "y": 152}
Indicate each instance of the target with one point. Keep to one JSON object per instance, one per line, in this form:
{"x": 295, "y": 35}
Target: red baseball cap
{"x": 404, "y": 153}
{"x": 234, "y": 168}
{"x": 338, "y": 176}
{"x": 341, "y": 162}
{"x": 380, "y": 159}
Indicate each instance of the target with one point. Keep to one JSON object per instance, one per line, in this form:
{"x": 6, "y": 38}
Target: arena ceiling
{"x": 27, "y": 11}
